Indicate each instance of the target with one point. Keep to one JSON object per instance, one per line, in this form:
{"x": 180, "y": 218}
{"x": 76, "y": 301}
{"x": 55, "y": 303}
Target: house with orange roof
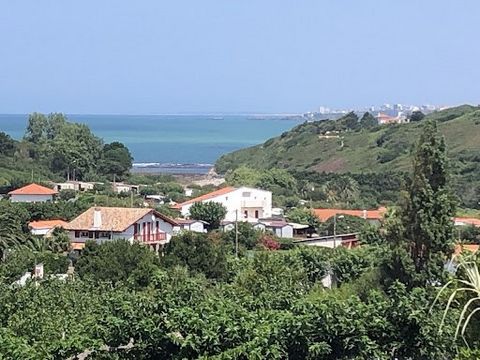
{"x": 100, "y": 224}
{"x": 243, "y": 203}
{"x": 462, "y": 221}
{"x": 32, "y": 193}
{"x": 45, "y": 227}
{"x": 372, "y": 216}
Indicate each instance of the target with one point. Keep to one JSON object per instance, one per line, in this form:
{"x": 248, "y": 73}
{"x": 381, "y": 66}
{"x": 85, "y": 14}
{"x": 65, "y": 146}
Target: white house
{"x": 76, "y": 185}
{"x": 45, "y": 227}
{"x": 32, "y": 193}
{"x": 190, "y": 225}
{"x": 125, "y": 188}
{"x": 243, "y": 203}
{"x": 146, "y": 226}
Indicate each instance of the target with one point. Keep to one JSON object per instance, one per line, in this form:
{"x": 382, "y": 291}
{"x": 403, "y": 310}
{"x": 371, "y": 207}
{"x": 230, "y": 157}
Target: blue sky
{"x": 155, "y": 56}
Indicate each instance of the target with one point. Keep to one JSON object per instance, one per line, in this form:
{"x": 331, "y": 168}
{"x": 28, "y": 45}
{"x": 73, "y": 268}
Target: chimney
{"x": 97, "y": 218}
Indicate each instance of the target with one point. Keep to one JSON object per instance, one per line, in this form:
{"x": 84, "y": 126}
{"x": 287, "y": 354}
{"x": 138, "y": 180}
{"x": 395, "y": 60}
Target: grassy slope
{"x": 301, "y": 148}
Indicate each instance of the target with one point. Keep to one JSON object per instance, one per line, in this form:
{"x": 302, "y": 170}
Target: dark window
{"x": 256, "y": 214}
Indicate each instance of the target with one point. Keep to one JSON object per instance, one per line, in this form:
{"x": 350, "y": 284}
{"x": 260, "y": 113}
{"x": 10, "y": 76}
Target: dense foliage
{"x": 211, "y": 212}
{"x": 54, "y": 148}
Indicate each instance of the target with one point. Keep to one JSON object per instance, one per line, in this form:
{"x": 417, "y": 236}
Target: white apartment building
{"x": 244, "y": 203}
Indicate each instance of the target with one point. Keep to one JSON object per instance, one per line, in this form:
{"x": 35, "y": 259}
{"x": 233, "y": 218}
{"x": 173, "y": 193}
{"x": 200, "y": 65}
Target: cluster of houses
{"x": 150, "y": 227}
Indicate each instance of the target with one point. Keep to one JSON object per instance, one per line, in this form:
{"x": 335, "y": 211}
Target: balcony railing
{"x": 253, "y": 203}
{"x": 151, "y": 238}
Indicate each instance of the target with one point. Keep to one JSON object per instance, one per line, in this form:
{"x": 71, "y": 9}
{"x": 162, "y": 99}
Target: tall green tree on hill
{"x": 368, "y": 121}
{"x": 422, "y": 237}
{"x": 116, "y": 160}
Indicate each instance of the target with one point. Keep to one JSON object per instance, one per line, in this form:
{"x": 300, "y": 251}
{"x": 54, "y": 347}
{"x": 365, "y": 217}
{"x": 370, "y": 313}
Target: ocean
{"x": 173, "y": 143}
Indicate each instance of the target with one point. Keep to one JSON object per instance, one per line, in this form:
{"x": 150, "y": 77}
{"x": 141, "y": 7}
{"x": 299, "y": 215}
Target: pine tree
{"x": 422, "y": 238}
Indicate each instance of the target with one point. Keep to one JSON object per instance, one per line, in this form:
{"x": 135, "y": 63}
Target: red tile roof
{"x": 468, "y": 221}
{"x": 33, "y": 189}
{"x": 47, "y": 224}
{"x": 325, "y": 214}
{"x": 115, "y": 219}
{"x": 208, "y": 196}
{"x": 459, "y": 248}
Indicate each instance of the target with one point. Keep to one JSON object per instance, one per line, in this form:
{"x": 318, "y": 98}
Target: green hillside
{"x": 346, "y": 146}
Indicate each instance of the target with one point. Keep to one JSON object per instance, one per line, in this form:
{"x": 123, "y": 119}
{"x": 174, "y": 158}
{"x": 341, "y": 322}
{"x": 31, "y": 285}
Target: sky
{"x": 213, "y": 56}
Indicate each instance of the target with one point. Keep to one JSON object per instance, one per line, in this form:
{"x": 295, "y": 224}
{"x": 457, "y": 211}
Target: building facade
{"x": 243, "y": 203}
{"x": 142, "y": 225}
{"x": 32, "y": 193}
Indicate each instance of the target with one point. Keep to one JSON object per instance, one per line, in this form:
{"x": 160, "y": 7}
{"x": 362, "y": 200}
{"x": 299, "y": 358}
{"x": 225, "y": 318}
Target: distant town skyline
{"x": 154, "y": 57}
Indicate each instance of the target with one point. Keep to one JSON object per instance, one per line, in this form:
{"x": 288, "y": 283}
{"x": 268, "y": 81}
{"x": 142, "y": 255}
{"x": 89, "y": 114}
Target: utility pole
{"x": 334, "y": 231}
{"x": 236, "y": 233}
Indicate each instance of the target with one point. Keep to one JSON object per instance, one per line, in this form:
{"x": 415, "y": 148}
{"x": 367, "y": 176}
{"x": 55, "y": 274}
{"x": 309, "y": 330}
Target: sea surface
{"x": 173, "y": 143}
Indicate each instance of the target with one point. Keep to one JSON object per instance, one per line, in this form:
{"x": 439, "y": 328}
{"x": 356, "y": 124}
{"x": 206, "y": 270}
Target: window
{"x": 256, "y": 214}
{"x": 245, "y": 214}
{"x": 246, "y": 194}
{"x": 82, "y": 234}
{"x": 104, "y": 235}
{"x": 91, "y": 234}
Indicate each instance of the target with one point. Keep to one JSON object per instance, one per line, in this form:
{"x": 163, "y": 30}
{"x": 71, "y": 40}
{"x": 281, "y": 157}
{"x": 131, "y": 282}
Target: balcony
{"x": 253, "y": 203}
{"x": 151, "y": 238}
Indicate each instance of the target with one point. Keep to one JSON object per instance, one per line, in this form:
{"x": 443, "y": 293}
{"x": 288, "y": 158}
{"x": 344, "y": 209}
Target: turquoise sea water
{"x": 168, "y": 142}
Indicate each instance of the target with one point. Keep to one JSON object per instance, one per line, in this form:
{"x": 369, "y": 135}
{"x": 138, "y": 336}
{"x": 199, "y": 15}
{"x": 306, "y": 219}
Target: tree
{"x": 116, "y": 160}
{"x": 210, "y": 212}
{"x": 118, "y": 261}
{"x": 344, "y": 224}
{"x": 368, "y": 121}
{"x": 350, "y": 121}
{"x": 197, "y": 252}
{"x": 416, "y": 116}
{"x": 7, "y": 145}
{"x": 341, "y": 189}
{"x": 248, "y": 237}
{"x": 422, "y": 237}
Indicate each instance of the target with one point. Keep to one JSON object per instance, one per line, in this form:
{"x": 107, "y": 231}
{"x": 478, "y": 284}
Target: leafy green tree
{"x": 248, "y": 237}
{"x": 210, "y": 212}
{"x": 198, "y": 253}
{"x": 118, "y": 261}
{"x": 349, "y": 121}
{"x": 345, "y": 224}
{"x": 416, "y": 116}
{"x": 116, "y": 161}
{"x": 341, "y": 189}
{"x": 368, "y": 121}
{"x": 243, "y": 176}
{"x": 7, "y": 145}
{"x": 22, "y": 259}
{"x": 422, "y": 237}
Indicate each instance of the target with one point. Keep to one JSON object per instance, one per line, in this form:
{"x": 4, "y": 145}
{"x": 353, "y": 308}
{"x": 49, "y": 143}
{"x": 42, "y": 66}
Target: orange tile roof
{"x": 208, "y": 196}
{"x": 459, "y": 248}
{"x": 325, "y": 214}
{"x": 47, "y": 224}
{"x": 468, "y": 221}
{"x": 33, "y": 189}
{"x": 115, "y": 219}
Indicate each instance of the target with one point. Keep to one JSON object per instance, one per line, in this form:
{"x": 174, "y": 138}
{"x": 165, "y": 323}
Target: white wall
{"x": 238, "y": 200}
{"x": 39, "y": 231}
{"x": 31, "y": 198}
{"x": 128, "y": 234}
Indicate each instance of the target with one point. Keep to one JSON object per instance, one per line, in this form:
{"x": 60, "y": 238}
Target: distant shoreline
{"x": 170, "y": 168}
